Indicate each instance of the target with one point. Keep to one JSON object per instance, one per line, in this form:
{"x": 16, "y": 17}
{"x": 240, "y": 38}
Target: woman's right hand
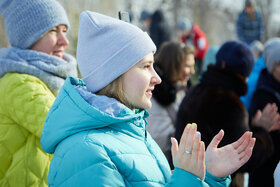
{"x": 190, "y": 155}
{"x": 225, "y": 160}
{"x": 268, "y": 118}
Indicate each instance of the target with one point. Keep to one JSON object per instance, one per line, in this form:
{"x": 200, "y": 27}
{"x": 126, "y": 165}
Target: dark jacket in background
{"x": 160, "y": 31}
{"x": 249, "y": 30}
{"x": 266, "y": 92}
{"x": 214, "y": 104}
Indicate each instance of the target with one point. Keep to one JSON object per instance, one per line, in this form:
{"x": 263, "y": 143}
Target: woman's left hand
{"x": 190, "y": 154}
{"x": 223, "y": 161}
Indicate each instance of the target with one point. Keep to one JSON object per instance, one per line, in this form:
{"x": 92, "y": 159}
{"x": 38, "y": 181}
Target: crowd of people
{"x": 134, "y": 117}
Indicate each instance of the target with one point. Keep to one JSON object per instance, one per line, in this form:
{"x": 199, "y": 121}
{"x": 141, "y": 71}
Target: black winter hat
{"x": 235, "y": 56}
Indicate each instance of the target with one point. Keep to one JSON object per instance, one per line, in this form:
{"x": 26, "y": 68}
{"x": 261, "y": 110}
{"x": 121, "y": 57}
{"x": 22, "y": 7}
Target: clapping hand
{"x": 190, "y": 155}
{"x": 223, "y": 161}
{"x": 268, "y": 118}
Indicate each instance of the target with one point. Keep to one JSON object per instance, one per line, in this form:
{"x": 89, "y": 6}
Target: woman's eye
{"x": 53, "y": 30}
{"x": 147, "y": 66}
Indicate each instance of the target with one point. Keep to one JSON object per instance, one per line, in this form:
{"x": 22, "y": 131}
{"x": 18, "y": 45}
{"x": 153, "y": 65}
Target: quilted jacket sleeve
{"x": 183, "y": 178}
{"x": 27, "y": 100}
{"x": 89, "y": 164}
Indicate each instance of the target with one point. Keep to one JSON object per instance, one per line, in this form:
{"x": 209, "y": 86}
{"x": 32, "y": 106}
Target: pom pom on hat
{"x": 235, "y": 56}
{"x": 26, "y": 21}
{"x": 271, "y": 53}
{"x": 107, "y": 48}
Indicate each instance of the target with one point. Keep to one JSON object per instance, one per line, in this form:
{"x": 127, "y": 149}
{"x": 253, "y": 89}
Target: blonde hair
{"x": 115, "y": 90}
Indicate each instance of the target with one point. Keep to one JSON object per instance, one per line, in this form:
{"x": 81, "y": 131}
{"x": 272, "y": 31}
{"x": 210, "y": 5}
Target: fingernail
{"x": 201, "y": 143}
{"x": 197, "y": 134}
{"x": 193, "y": 125}
{"x": 171, "y": 140}
{"x": 188, "y": 126}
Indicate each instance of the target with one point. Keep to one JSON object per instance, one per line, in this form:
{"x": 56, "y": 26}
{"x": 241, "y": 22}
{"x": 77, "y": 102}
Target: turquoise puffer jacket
{"x": 97, "y": 141}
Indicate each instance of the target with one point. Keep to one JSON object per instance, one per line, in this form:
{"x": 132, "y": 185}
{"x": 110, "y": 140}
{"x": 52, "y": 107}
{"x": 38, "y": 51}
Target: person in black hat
{"x": 214, "y": 103}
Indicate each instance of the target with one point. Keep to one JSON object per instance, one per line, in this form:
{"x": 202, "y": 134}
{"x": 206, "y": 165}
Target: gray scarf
{"x": 50, "y": 69}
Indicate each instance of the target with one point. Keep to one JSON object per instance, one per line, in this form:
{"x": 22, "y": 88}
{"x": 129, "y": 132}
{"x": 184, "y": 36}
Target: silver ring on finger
{"x": 187, "y": 152}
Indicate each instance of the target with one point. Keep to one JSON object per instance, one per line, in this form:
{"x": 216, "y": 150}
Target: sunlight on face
{"x": 139, "y": 82}
{"x": 54, "y": 42}
{"x": 187, "y": 69}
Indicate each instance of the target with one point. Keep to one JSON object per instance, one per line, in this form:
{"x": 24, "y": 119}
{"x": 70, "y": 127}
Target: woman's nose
{"x": 156, "y": 79}
{"x": 62, "y": 39}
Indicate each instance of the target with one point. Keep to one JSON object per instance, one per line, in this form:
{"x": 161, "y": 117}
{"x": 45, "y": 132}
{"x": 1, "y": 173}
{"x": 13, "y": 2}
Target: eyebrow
{"x": 148, "y": 61}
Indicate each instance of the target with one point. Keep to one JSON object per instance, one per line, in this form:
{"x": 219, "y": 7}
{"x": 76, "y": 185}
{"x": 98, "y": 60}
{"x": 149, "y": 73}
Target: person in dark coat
{"x": 268, "y": 91}
{"x": 160, "y": 30}
{"x": 214, "y": 103}
{"x": 249, "y": 24}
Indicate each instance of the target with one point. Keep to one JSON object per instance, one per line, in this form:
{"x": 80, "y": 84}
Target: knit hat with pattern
{"x": 26, "y": 21}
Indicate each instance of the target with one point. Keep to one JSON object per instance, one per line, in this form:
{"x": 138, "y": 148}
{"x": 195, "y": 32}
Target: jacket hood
{"x": 76, "y": 109}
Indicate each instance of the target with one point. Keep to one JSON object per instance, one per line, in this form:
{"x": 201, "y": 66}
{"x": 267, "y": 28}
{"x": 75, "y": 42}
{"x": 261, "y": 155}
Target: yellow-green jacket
{"x": 22, "y": 160}
{"x": 29, "y": 81}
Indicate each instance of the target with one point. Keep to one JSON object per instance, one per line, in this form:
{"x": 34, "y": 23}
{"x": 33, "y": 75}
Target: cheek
{"x": 46, "y": 46}
{"x": 186, "y": 71}
{"x": 140, "y": 84}
{"x": 51, "y": 44}
{"x": 131, "y": 85}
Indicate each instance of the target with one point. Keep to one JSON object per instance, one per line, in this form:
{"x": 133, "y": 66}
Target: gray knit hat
{"x": 271, "y": 53}
{"x": 26, "y": 21}
{"x": 107, "y": 48}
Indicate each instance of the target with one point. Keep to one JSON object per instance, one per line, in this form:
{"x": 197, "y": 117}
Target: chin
{"x": 145, "y": 106}
{"x": 148, "y": 105}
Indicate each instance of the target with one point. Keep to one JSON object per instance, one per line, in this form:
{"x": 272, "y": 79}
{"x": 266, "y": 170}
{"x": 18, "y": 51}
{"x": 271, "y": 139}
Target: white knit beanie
{"x": 271, "y": 53}
{"x": 107, "y": 48}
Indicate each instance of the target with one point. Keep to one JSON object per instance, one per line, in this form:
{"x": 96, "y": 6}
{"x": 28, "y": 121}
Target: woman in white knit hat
{"x": 97, "y": 128}
{"x": 268, "y": 91}
{"x": 31, "y": 74}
